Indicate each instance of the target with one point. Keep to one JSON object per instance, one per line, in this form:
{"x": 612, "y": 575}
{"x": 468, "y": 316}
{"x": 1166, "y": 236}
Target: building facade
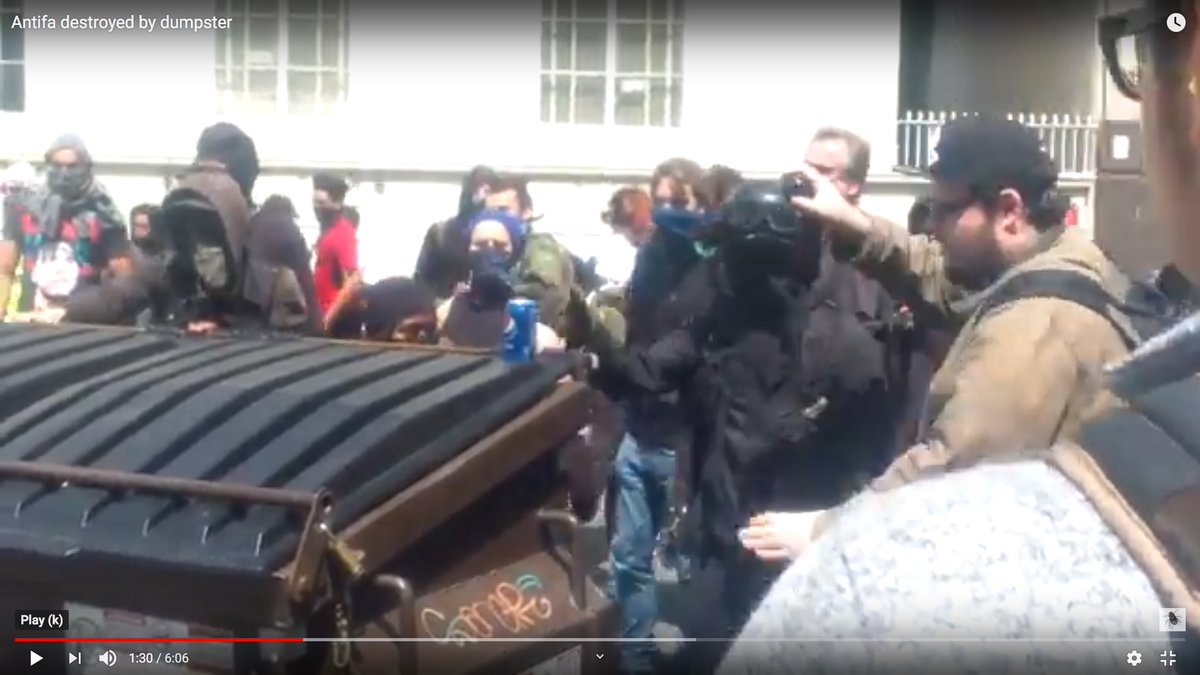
{"x": 583, "y": 95}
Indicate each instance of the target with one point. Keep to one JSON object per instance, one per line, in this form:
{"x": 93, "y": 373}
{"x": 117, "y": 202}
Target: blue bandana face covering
{"x": 676, "y": 220}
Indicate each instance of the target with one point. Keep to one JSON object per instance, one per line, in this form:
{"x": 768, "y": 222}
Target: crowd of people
{"x": 852, "y": 438}
{"x": 207, "y": 258}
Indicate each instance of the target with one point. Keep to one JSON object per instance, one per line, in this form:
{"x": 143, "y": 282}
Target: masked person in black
{"x": 222, "y": 276}
{"x": 477, "y": 316}
{"x": 226, "y": 145}
{"x": 782, "y": 384}
{"x": 442, "y": 263}
{"x": 228, "y": 269}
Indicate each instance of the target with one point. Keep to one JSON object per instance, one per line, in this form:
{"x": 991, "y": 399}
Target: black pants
{"x": 723, "y": 591}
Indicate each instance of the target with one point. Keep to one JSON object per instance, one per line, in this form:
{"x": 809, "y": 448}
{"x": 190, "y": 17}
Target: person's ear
{"x": 1010, "y": 211}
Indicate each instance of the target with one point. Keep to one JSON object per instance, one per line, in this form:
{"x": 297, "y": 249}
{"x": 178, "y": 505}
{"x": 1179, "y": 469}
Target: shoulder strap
{"x": 1063, "y": 285}
{"x": 1140, "y": 467}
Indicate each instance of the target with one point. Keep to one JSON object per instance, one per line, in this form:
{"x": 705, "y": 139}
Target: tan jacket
{"x": 1023, "y": 376}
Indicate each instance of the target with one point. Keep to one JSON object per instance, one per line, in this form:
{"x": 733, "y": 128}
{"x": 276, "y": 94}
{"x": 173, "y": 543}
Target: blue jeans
{"x": 644, "y": 476}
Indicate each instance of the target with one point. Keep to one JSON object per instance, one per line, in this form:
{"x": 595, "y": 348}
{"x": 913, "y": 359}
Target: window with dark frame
{"x": 283, "y": 56}
{"x": 612, "y": 62}
{"x": 12, "y": 57}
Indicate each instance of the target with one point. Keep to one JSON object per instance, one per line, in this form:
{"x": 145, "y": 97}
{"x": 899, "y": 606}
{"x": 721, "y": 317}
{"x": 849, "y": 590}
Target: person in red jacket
{"x": 337, "y": 252}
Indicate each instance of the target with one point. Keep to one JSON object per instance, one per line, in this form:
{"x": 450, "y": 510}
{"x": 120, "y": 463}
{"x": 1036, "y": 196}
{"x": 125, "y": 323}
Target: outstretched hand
{"x": 828, "y": 205}
{"x": 777, "y": 536}
{"x": 549, "y": 341}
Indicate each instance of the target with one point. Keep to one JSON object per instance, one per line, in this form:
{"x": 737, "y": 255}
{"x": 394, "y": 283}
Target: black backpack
{"x": 1147, "y": 309}
{"x": 1148, "y": 451}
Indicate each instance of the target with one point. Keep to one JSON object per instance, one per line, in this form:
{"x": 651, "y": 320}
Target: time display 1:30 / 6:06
{"x": 148, "y": 658}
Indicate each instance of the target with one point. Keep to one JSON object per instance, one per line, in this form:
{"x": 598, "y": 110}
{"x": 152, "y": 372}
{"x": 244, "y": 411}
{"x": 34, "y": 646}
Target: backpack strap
{"x": 1066, "y": 285}
{"x": 1140, "y": 468}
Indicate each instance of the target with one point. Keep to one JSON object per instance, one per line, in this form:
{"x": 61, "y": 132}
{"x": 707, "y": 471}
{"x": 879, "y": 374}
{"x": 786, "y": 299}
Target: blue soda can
{"x": 520, "y": 339}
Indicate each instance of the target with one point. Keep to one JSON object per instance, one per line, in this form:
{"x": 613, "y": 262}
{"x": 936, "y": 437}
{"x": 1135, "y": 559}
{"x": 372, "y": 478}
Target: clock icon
{"x": 1176, "y": 23}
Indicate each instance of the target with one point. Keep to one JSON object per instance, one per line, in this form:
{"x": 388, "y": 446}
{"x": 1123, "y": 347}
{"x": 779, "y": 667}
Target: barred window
{"x": 283, "y": 56}
{"x": 612, "y": 62}
{"x": 12, "y": 57}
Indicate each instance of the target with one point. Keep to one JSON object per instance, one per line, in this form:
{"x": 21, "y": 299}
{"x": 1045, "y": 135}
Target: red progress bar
{"x": 157, "y": 640}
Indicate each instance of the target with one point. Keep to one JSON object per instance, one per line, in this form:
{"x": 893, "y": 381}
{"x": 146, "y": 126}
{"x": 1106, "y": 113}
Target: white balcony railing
{"x": 1070, "y": 139}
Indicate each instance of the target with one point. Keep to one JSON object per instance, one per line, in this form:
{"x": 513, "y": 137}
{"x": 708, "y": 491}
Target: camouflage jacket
{"x": 546, "y": 274}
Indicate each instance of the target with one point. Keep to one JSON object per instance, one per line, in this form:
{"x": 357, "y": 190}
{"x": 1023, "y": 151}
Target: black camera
{"x": 763, "y": 210}
{"x": 762, "y": 235}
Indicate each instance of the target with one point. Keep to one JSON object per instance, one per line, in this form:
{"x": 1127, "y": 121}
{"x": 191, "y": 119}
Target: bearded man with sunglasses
{"x": 1078, "y": 557}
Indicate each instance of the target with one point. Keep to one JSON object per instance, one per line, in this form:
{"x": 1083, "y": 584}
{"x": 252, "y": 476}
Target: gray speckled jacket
{"x": 1013, "y": 553}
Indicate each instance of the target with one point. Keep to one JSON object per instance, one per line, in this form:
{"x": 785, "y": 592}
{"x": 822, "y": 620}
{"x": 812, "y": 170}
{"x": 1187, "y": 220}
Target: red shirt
{"x": 337, "y": 258}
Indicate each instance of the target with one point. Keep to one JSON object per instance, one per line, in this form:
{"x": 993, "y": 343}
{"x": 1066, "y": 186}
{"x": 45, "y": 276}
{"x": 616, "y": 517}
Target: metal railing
{"x": 1070, "y": 139}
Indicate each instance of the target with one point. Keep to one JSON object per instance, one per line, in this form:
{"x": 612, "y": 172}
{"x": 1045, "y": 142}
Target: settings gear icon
{"x": 1133, "y": 658}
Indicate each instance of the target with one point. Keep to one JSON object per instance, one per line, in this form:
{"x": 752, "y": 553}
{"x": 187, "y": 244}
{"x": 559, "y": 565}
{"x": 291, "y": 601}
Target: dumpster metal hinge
{"x": 344, "y": 569}
{"x": 311, "y": 552}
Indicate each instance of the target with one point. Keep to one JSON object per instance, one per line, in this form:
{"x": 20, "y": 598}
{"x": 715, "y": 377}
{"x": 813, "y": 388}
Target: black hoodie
{"x": 442, "y": 263}
{"x": 229, "y": 145}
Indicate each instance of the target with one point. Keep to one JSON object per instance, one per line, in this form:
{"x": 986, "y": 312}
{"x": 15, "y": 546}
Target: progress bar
{"x": 898, "y": 640}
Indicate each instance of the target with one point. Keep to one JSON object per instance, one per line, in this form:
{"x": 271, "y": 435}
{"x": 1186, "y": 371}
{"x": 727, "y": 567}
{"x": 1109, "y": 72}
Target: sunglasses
{"x": 1131, "y": 40}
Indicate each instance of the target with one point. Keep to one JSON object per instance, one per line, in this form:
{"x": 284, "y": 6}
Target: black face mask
{"x": 148, "y": 244}
{"x": 491, "y": 286}
{"x": 327, "y": 216}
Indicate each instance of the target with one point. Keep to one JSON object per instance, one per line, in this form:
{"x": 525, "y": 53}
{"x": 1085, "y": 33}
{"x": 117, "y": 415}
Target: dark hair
{"x": 519, "y": 184}
{"x": 991, "y": 154}
{"x": 335, "y": 187}
{"x": 685, "y": 173}
{"x": 228, "y": 145}
{"x": 391, "y": 301}
{"x": 279, "y": 204}
{"x": 1045, "y": 208}
{"x": 147, "y": 210}
{"x": 480, "y": 175}
{"x": 352, "y": 215}
{"x": 919, "y": 215}
{"x": 1048, "y": 211}
{"x": 857, "y": 148}
{"x": 717, "y": 185}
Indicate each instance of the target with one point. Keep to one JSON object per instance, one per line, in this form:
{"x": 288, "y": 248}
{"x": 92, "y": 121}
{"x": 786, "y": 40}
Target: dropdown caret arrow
{"x": 599, "y": 656}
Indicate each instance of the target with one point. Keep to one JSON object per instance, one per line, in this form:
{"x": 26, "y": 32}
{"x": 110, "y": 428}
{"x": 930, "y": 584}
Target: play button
{"x": 34, "y": 657}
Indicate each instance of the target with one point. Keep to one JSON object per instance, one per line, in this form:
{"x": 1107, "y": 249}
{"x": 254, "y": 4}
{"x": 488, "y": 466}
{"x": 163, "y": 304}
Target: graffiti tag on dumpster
{"x": 509, "y": 609}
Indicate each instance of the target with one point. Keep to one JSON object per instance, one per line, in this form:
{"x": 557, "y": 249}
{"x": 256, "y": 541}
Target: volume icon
{"x": 109, "y": 658}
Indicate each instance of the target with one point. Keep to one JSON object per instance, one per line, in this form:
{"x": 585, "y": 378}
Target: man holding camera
{"x": 1060, "y": 557}
{"x": 1037, "y": 303}
{"x": 1019, "y": 353}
